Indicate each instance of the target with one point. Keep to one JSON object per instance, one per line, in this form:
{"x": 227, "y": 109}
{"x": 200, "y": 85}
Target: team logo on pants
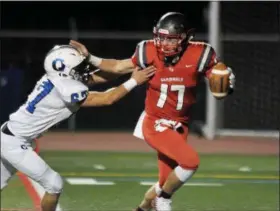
{"x": 23, "y": 147}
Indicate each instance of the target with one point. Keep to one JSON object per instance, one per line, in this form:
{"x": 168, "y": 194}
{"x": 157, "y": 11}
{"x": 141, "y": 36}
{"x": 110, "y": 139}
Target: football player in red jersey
{"x": 180, "y": 63}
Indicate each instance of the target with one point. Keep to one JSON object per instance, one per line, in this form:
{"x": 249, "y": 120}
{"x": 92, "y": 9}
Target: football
{"x": 219, "y": 80}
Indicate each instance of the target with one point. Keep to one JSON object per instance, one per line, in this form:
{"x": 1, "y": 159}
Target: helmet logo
{"x": 58, "y": 64}
{"x": 163, "y": 31}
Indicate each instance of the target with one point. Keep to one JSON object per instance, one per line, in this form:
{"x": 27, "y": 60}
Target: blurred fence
{"x": 250, "y": 43}
{"x": 255, "y": 105}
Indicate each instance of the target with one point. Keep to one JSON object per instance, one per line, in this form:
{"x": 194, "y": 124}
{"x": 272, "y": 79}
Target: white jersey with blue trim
{"x": 51, "y": 101}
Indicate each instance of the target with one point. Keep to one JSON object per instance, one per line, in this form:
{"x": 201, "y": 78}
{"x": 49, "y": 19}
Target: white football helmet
{"x": 66, "y": 61}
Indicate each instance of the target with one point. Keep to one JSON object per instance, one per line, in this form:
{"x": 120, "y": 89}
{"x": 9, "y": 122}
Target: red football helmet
{"x": 171, "y": 34}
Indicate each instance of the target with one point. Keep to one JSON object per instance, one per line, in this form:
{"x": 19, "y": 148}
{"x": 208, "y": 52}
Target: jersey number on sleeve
{"x": 45, "y": 88}
{"x": 78, "y": 97}
{"x": 164, "y": 92}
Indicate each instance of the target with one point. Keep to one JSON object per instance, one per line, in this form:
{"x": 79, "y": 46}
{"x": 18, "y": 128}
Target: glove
{"x": 231, "y": 81}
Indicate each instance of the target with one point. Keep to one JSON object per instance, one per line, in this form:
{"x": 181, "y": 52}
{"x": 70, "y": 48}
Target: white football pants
{"x": 18, "y": 154}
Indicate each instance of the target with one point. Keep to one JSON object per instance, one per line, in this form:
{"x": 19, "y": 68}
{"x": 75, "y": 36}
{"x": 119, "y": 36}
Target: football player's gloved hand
{"x": 231, "y": 81}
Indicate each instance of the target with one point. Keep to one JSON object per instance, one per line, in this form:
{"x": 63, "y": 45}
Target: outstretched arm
{"x": 113, "y": 95}
{"x": 98, "y": 76}
{"x": 123, "y": 66}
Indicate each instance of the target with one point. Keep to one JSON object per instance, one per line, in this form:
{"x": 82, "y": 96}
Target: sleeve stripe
{"x": 145, "y": 59}
{"x": 141, "y": 55}
{"x": 208, "y": 60}
{"x": 203, "y": 58}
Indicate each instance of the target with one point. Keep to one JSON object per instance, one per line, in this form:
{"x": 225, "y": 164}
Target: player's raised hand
{"x": 80, "y": 47}
{"x": 141, "y": 76}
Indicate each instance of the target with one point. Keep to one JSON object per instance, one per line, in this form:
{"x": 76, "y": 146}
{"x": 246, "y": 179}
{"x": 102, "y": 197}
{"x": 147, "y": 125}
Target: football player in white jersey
{"x": 56, "y": 96}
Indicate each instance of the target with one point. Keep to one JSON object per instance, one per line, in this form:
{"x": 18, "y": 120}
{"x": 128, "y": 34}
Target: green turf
{"x": 256, "y": 190}
{"x": 124, "y": 196}
{"x": 146, "y": 164}
{"x": 15, "y": 196}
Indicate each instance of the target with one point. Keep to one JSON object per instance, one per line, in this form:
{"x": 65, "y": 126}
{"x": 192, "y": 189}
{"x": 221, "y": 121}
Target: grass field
{"x": 116, "y": 181}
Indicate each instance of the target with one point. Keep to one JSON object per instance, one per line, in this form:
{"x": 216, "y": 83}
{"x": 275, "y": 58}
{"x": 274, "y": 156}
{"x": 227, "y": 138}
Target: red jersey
{"x": 171, "y": 91}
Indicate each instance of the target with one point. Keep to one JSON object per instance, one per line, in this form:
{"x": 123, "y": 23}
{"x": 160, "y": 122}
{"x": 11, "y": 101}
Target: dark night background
{"x": 255, "y": 104}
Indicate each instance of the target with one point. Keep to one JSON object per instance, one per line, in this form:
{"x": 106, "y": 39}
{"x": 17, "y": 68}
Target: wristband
{"x": 96, "y": 61}
{"x": 130, "y": 84}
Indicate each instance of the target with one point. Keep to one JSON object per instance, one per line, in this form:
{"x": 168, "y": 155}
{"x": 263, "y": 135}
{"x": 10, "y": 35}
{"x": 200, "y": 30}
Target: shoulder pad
{"x": 71, "y": 91}
{"x": 206, "y": 55}
{"x": 144, "y": 53}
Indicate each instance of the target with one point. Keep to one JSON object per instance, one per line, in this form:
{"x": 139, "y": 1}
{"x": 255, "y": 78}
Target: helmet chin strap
{"x": 171, "y": 60}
